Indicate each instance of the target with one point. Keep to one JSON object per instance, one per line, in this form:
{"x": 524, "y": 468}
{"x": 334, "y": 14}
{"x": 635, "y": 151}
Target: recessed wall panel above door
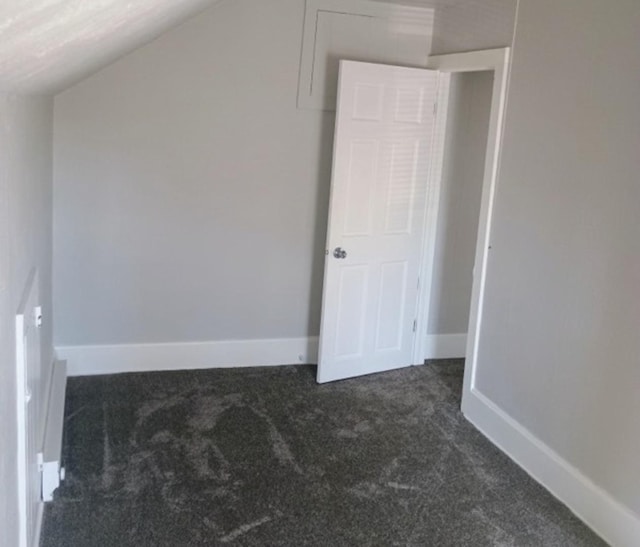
{"x": 357, "y": 30}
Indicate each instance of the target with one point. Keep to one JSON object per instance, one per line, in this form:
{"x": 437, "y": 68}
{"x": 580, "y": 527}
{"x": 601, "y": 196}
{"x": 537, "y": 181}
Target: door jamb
{"x": 430, "y": 222}
{"x": 496, "y": 60}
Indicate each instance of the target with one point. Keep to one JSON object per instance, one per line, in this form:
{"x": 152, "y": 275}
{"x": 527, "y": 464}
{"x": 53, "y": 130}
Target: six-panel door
{"x": 384, "y": 125}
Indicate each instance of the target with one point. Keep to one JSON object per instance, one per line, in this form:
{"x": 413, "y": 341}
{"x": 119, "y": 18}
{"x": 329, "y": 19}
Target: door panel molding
{"x": 381, "y": 162}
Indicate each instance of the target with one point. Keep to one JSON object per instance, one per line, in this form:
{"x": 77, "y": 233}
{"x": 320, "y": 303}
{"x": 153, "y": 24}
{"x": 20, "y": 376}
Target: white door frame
{"x": 496, "y": 60}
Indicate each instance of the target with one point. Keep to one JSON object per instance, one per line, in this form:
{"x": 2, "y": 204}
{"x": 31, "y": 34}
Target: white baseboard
{"x": 114, "y": 359}
{"x": 445, "y": 346}
{"x": 614, "y": 522}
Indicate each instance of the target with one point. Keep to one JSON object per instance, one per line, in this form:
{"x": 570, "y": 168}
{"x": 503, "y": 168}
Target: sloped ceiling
{"x": 47, "y": 45}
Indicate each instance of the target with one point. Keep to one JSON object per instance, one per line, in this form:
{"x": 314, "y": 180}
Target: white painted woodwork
{"x": 119, "y": 358}
{"x": 497, "y": 61}
{"x": 29, "y": 392}
{"x": 429, "y": 240}
{"x": 383, "y": 135}
{"x": 358, "y": 30}
{"x": 612, "y": 520}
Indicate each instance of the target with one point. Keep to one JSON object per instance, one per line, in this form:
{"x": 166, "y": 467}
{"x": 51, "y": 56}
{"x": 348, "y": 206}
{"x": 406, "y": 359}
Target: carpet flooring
{"x": 265, "y": 456}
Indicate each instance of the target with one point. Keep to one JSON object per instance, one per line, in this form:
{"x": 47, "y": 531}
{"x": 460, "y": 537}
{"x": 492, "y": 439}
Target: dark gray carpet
{"x": 267, "y": 457}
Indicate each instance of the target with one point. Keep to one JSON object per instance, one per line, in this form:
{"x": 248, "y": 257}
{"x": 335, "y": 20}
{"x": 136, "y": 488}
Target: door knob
{"x": 339, "y": 252}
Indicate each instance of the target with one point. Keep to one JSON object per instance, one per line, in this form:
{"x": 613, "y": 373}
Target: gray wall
{"x": 190, "y": 192}
{"x": 559, "y": 347}
{"x": 25, "y": 243}
{"x": 459, "y": 211}
{"x": 141, "y": 258}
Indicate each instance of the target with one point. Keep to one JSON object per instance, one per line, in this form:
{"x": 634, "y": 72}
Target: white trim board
{"x": 445, "y": 346}
{"x": 497, "y": 61}
{"x": 420, "y": 349}
{"x": 614, "y": 522}
{"x": 115, "y": 359}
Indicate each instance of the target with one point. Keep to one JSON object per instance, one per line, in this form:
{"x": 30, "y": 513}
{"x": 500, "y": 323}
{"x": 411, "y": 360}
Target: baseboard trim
{"x": 445, "y": 346}
{"x": 614, "y": 522}
{"x": 115, "y": 359}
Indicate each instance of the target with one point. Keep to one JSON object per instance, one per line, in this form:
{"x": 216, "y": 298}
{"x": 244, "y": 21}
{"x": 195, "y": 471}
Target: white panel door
{"x": 382, "y": 148}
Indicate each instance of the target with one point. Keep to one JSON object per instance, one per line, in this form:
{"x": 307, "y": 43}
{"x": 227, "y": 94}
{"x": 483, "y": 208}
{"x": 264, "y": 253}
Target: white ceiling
{"x": 47, "y": 45}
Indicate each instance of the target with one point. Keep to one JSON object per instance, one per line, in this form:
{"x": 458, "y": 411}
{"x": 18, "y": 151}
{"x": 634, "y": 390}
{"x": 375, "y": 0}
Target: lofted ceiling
{"x": 48, "y": 45}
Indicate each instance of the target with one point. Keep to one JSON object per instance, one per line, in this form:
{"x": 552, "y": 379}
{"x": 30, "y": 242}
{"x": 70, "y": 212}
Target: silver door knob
{"x": 339, "y": 252}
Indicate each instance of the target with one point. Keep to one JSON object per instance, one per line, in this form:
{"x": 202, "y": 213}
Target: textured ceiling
{"x": 47, "y": 45}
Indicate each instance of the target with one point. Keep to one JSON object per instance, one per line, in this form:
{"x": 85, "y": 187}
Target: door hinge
{"x": 418, "y": 284}
{"x": 435, "y": 108}
{"x": 415, "y": 325}
{"x": 38, "y": 316}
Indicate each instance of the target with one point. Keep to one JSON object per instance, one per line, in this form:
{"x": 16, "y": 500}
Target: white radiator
{"x": 29, "y": 411}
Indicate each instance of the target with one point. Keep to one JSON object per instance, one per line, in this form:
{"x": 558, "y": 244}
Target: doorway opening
{"x": 476, "y": 68}
{"x": 458, "y": 214}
